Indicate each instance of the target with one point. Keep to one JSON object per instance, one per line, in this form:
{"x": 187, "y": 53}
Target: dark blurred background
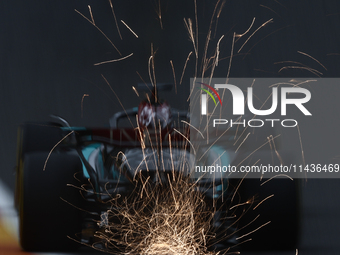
{"x": 48, "y": 52}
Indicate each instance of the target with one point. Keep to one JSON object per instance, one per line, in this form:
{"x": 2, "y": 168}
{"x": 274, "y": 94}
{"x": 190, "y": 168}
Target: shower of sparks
{"x": 90, "y": 10}
{"x": 241, "y": 204}
{"x": 242, "y": 142}
{"x": 159, "y": 13}
{"x": 292, "y": 62}
{"x": 174, "y": 75}
{"x": 312, "y": 70}
{"x": 313, "y": 59}
{"x": 219, "y": 11}
{"x": 114, "y": 16}
{"x": 277, "y": 30}
{"x": 82, "y": 103}
{"x": 263, "y": 201}
{"x": 188, "y": 24}
{"x": 258, "y": 148}
{"x": 170, "y": 215}
{"x": 206, "y": 61}
{"x": 92, "y": 22}
{"x": 49, "y": 154}
{"x": 218, "y": 50}
{"x": 271, "y": 140}
{"x": 185, "y": 66}
{"x": 186, "y": 139}
{"x": 231, "y": 57}
{"x": 140, "y": 77}
{"x": 114, "y": 60}
{"x": 246, "y": 32}
{"x": 166, "y": 216}
{"x": 193, "y": 128}
{"x": 129, "y": 28}
{"x": 120, "y": 102}
{"x": 151, "y": 70}
{"x": 135, "y": 90}
{"x": 294, "y": 83}
{"x": 263, "y": 25}
{"x": 165, "y": 221}
{"x": 251, "y": 232}
{"x": 277, "y": 176}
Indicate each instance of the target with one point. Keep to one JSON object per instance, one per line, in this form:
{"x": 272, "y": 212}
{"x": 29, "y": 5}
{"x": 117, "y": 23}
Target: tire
{"x": 45, "y": 220}
{"x": 34, "y": 137}
{"x": 38, "y": 137}
{"x": 282, "y": 210}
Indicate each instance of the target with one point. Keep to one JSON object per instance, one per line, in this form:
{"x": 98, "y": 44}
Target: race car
{"x": 67, "y": 177}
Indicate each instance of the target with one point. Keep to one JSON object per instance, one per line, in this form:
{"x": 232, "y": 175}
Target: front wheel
{"x": 47, "y": 204}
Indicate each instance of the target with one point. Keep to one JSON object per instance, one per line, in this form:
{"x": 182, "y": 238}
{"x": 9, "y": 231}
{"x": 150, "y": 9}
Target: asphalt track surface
{"x": 319, "y": 234}
{"x": 47, "y": 67}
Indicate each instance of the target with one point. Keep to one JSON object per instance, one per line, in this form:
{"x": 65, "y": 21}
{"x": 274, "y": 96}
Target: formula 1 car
{"x": 66, "y": 177}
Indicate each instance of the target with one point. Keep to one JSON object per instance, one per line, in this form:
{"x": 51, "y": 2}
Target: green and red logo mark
{"x": 204, "y": 97}
{"x": 209, "y": 93}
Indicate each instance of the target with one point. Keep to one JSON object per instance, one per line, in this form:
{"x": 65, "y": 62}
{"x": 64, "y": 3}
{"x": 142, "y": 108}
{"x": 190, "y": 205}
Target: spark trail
{"x": 172, "y": 215}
